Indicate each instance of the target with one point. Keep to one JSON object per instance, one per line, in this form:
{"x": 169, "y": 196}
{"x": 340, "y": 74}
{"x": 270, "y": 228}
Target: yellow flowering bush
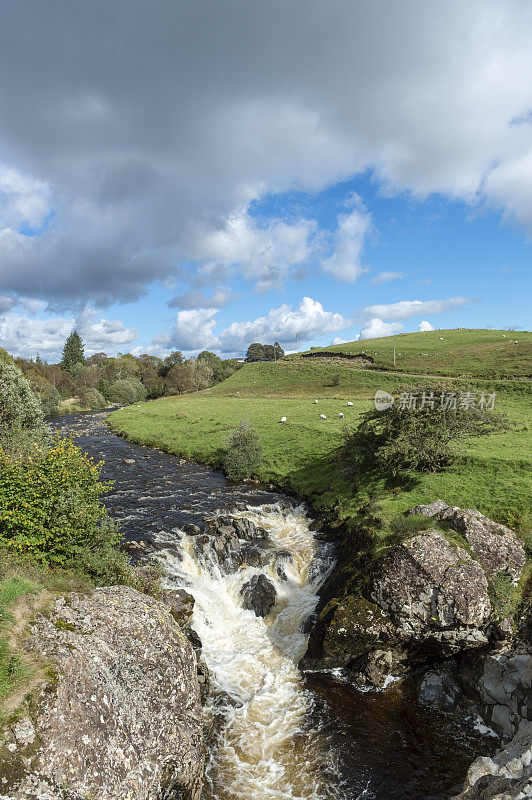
{"x": 50, "y": 504}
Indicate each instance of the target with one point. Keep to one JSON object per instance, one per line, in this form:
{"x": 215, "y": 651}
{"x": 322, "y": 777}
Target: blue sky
{"x": 168, "y": 184}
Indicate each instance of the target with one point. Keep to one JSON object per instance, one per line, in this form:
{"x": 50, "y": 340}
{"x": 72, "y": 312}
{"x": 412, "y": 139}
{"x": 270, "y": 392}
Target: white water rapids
{"x": 263, "y": 751}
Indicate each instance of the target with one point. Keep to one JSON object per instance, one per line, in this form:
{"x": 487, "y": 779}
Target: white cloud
{"x": 424, "y": 325}
{"x": 413, "y": 308}
{"x": 25, "y": 335}
{"x": 193, "y": 330}
{"x": 283, "y": 324}
{"x": 345, "y": 262}
{"x": 386, "y": 277}
{"x": 376, "y": 328}
{"x": 264, "y": 254}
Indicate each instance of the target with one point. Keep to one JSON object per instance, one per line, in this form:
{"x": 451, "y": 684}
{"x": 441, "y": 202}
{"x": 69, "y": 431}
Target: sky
{"x": 178, "y": 175}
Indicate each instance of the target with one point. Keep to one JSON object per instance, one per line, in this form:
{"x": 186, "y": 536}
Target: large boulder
{"x": 258, "y": 595}
{"x": 496, "y": 547}
{"x": 505, "y": 776}
{"x": 427, "y": 599}
{"x": 119, "y": 716}
{"x": 221, "y": 548}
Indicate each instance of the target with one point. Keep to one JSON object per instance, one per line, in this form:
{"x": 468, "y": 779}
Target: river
{"x": 276, "y": 733}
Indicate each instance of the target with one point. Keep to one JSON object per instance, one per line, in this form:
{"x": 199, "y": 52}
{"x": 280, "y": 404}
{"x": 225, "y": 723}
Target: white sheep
{"x": 322, "y": 416}
{"x": 340, "y": 415}
{"x": 283, "y": 419}
{"x": 350, "y": 403}
{"x": 441, "y": 338}
{"x": 314, "y": 401}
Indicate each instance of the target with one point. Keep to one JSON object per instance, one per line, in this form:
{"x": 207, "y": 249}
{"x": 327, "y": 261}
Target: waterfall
{"x": 263, "y": 750}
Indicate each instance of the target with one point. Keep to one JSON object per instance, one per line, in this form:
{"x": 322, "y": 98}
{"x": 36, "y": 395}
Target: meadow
{"x": 302, "y": 455}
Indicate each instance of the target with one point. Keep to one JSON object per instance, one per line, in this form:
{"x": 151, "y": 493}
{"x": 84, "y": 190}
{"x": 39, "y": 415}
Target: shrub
{"x": 127, "y": 390}
{"x": 49, "y": 397}
{"x": 426, "y": 438}
{"x": 50, "y": 504}
{"x": 243, "y": 454}
{"x": 92, "y": 398}
{"x": 18, "y": 404}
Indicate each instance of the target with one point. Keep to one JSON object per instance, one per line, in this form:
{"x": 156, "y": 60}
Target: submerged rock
{"x": 120, "y": 716}
{"x": 258, "y": 595}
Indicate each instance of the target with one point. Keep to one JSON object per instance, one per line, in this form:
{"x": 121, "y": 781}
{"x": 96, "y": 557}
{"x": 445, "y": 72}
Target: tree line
{"x": 264, "y": 352}
{"x": 96, "y": 381}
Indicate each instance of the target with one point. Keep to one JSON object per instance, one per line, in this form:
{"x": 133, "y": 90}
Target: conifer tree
{"x": 73, "y": 352}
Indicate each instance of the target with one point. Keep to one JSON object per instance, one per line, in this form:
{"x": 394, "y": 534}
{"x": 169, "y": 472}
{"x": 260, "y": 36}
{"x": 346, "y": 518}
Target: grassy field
{"x": 475, "y": 353}
{"x": 493, "y": 474}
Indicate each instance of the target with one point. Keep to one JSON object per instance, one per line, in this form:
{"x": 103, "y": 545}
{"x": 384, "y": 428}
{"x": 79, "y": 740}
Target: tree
{"x": 175, "y": 358}
{"x": 422, "y": 431}
{"x": 255, "y": 352}
{"x": 279, "y": 352}
{"x": 179, "y": 379}
{"x": 73, "y": 353}
{"x": 243, "y": 454}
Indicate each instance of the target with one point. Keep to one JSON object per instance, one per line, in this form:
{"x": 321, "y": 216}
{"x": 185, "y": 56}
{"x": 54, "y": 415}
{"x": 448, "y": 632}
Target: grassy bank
{"x": 493, "y": 473}
{"x": 476, "y": 353}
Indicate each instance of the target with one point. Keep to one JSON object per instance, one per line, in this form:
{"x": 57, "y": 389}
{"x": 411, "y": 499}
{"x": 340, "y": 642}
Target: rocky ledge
{"x": 119, "y": 717}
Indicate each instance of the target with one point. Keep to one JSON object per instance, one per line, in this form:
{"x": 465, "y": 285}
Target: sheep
{"x": 314, "y": 401}
{"x": 441, "y": 338}
{"x": 340, "y": 415}
{"x": 283, "y": 419}
{"x": 322, "y": 416}
{"x": 350, "y": 403}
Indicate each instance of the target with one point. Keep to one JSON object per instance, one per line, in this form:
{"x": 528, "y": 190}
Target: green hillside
{"x": 476, "y": 353}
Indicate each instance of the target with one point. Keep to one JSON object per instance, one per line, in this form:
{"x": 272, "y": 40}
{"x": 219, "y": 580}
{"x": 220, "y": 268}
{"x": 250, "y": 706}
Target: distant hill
{"x": 458, "y": 352}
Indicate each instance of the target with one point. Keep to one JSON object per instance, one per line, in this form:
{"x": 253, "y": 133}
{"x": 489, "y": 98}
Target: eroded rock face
{"x": 121, "y": 717}
{"x": 258, "y": 595}
{"x": 506, "y": 776}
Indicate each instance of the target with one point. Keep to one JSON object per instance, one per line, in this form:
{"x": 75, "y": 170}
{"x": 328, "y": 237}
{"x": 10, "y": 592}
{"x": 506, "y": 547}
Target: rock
{"x": 120, "y": 716}
{"x": 222, "y": 549}
{"x": 258, "y": 595}
{"x": 430, "y": 510}
{"x": 435, "y": 593}
{"x": 192, "y": 529}
{"x": 281, "y": 558}
{"x": 504, "y": 688}
{"x": 496, "y": 547}
{"x": 254, "y": 556}
{"x": 438, "y": 690}
{"x": 180, "y": 604}
{"x": 427, "y": 599}
{"x": 505, "y": 776}
{"x": 345, "y": 631}
{"x": 194, "y": 640}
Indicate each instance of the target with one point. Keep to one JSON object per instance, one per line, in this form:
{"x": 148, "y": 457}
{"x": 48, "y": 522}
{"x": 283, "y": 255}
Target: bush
{"x": 49, "y": 397}
{"x": 18, "y": 404}
{"x": 243, "y": 454}
{"x": 50, "y": 504}
{"x": 92, "y": 398}
{"x": 127, "y": 390}
{"x": 426, "y": 438}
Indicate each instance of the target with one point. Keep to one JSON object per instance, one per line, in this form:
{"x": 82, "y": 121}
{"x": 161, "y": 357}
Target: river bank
{"x": 388, "y": 733}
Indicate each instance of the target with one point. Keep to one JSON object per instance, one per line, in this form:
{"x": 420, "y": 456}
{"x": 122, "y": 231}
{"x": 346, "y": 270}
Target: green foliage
{"x": 243, "y": 454}
{"x": 180, "y": 379}
{"x": 92, "y": 398}
{"x": 47, "y": 394}
{"x": 264, "y": 352}
{"x": 126, "y": 391}
{"x": 403, "y": 527}
{"x": 18, "y": 404}
{"x": 425, "y": 438}
{"x": 73, "y": 353}
{"x": 50, "y": 504}
{"x": 505, "y": 597}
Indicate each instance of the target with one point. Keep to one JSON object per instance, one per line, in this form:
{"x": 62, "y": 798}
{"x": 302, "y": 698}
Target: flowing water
{"x": 275, "y": 733}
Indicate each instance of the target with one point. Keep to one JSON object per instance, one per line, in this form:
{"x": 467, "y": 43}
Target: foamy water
{"x": 263, "y": 750}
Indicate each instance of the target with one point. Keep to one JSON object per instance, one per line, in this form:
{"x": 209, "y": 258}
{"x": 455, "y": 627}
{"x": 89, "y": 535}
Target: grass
{"x": 13, "y": 670}
{"x": 460, "y": 352}
{"x": 493, "y": 473}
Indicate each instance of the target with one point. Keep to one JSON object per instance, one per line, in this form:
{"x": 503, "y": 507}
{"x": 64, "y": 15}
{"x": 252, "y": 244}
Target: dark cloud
{"x": 135, "y": 133}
